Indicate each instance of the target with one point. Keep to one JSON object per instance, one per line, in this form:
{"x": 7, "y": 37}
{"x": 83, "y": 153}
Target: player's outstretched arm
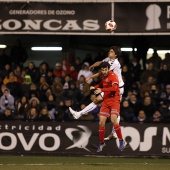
{"x": 96, "y": 64}
{"x": 92, "y": 76}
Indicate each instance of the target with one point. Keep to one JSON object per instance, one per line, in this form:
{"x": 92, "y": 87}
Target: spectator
{"x": 57, "y": 89}
{"x": 157, "y": 117}
{"x": 141, "y": 118}
{"x": 126, "y": 111}
{"x": 156, "y": 60}
{"x": 165, "y": 111}
{"x": 134, "y": 104}
{"x": 146, "y": 86}
{"x": 43, "y": 69}
{"x": 44, "y": 114}
{"x": 65, "y": 114}
{"x": 77, "y": 64}
{"x": 6, "y": 79}
{"x": 34, "y": 103}
{"x": 127, "y": 77}
{"x": 7, "y": 115}
{"x": 6, "y": 101}
{"x": 59, "y": 116}
{"x": 51, "y": 105}
{"x": 14, "y": 87}
{"x": 32, "y": 114}
{"x": 154, "y": 94}
{"x": 135, "y": 68}
{"x": 73, "y": 73}
{"x": 74, "y": 93}
{"x": 43, "y": 88}
{"x": 50, "y": 77}
{"x": 17, "y": 70}
{"x": 165, "y": 95}
{"x": 32, "y": 70}
{"x": 149, "y": 72}
{"x": 42, "y": 80}
{"x": 21, "y": 107}
{"x": 84, "y": 87}
{"x": 66, "y": 82}
{"x": 33, "y": 91}
{"x": 25, "y": 86}
{"x": 58, "y": 70}
{"x": 147, "y": 106}
{"x": 65, "y": 66}
{"x": 6, "y": 70}
{"x": 163, "y": 77}
{"x": 167, "y": 59}
{"x": 85, "y": 71}
{"x": 141, "y": 44}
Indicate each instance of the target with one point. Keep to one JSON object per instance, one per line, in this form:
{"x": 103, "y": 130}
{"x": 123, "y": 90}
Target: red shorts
{"x": 109, "y": 108}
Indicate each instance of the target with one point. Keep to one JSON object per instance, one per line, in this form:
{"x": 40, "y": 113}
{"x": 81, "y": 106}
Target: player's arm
{"x": 110, "y": 89}
{"x": 96, "y": 64}
{"x": 92, "y": 76}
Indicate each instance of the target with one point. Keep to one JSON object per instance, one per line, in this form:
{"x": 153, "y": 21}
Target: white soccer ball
{"x": 110, "y": 25}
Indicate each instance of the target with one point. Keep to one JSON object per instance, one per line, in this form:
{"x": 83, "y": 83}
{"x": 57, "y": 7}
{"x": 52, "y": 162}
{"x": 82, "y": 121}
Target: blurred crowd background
{"x": 31, "y": 92}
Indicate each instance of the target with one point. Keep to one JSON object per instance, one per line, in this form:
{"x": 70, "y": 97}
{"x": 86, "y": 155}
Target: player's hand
{"x": 91, "y": 68}
{"x": 87, "y": 79}
{"x": 92, "y": 88}
{"x": 97, "y": 91}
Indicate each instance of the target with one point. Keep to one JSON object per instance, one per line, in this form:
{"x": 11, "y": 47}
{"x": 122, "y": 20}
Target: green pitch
{"x": 81, "y": 163}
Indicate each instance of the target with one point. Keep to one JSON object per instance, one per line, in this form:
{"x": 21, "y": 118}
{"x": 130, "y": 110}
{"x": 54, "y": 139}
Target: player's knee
{"x": 101, "y": 124}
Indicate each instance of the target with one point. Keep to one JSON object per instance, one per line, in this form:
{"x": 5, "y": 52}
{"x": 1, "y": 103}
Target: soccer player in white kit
{"x": 112, "y": 59}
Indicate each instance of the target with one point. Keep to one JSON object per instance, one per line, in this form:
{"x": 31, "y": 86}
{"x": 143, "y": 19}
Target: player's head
{"x": 114, "y": 51}
{"x": 105, "y": 68}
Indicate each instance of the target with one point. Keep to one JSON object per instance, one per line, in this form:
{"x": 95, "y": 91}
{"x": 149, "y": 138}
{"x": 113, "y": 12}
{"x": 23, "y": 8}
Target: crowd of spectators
{"x": 42, "y": 93}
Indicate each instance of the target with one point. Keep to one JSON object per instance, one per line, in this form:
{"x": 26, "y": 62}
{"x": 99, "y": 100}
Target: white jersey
{"x": 116, "y": 68}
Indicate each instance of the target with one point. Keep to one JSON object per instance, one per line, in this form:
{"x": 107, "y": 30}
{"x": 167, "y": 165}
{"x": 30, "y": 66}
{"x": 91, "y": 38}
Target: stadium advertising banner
{"x": 145, "y": 18}
{"x": 53, "y": 18}
{"x": 81, "y": 138}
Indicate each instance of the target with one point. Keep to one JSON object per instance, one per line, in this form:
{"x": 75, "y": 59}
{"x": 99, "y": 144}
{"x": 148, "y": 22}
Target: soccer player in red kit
{"x": 111, "y": 103}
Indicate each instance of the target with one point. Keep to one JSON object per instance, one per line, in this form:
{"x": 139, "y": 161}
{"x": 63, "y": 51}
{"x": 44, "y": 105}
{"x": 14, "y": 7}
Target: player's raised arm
{"x": 96, "y": 64}
{"x": 92, "y": 76}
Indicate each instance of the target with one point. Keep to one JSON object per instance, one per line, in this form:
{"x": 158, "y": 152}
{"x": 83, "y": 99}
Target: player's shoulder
{"x": 112, "y": 74}
{"x": 116, "y": 61}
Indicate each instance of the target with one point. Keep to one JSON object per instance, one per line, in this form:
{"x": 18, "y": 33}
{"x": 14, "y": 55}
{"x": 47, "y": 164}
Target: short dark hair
{"x": 116, "y": 49}
{"x": 105, "y": 65}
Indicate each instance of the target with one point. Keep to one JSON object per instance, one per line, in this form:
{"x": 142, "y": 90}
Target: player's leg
{"x": 114, "y": 115}
{"x": 113, "y": 134}
{"x": 102, "y": 120}
{"x": 88, "y": 108}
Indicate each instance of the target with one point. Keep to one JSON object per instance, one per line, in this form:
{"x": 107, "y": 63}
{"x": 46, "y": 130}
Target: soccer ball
{"x": 110, "y": 25}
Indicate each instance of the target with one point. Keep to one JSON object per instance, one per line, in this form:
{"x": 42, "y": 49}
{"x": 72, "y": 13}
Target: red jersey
{"x": 110, "y": 86}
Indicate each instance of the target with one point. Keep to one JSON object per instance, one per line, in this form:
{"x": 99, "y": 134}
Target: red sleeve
{"x": 109, "y": 89}
{"x": 98, "y": 85}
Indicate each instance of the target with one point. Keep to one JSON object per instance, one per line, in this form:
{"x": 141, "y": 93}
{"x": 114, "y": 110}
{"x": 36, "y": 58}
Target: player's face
{"x": 111, "y": 54}
{"x": 105, "y": 71}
